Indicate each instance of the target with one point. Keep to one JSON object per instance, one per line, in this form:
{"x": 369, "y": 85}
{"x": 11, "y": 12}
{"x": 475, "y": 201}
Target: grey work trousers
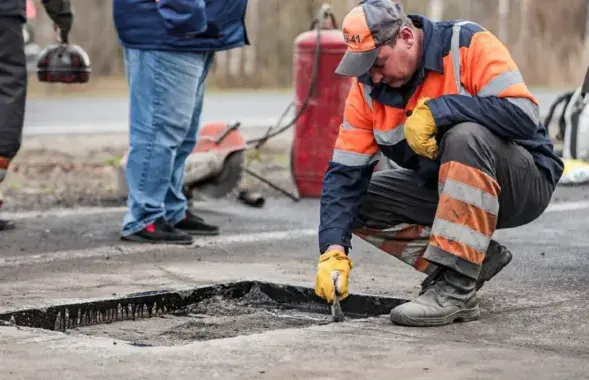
{"x": 485, "y": 183}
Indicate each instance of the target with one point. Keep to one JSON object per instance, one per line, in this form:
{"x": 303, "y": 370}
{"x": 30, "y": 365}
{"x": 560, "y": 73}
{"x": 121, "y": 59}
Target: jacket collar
{"x": 432, "y": 44}
{"x": 432, "y": 60}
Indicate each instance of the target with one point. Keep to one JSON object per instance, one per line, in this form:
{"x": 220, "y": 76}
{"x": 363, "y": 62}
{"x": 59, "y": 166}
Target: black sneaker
{"x": 196, "y": 225}
{"x": 6, "y": 224}
{"x": 160, "y": 232}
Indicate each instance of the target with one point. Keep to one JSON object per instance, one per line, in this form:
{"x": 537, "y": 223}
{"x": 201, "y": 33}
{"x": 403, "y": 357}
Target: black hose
{"x": 317, "y": 26}
{"x": 564, "y": 98}
{"x": 258, "y": 142}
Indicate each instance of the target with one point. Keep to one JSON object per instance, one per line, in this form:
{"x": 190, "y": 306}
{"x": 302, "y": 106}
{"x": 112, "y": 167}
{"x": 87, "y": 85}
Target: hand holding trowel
{"x": 336, "y": 309}
{"x": 331, "y": 280}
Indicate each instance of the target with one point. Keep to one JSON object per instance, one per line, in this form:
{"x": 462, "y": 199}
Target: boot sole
{"x": 464, "y": 315}
{"x": 139, "y": 239}
{"x": 502, "y": 262}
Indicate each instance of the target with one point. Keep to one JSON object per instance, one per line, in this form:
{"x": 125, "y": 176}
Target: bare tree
{"x": 435, "y": 9}
{"x": 548, "y": 38}
{"x": 503, "y": 27}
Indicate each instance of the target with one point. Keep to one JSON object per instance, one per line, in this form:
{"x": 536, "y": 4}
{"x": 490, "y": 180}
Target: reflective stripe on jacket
{"x": 470, "y": 76}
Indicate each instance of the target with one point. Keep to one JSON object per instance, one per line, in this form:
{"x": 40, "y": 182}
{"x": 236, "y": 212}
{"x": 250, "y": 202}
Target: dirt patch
{"x": 43, "y": 177}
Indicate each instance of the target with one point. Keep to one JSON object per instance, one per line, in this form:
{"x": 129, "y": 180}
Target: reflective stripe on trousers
{"x": 406, "y": 242}
{"x": 466, "y": 216}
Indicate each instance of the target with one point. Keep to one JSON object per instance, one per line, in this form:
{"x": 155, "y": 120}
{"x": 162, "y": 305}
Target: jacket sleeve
{"x": 183, "y": 16}
{"x": 497, "y": 96}
{"x": 349, "y": 171}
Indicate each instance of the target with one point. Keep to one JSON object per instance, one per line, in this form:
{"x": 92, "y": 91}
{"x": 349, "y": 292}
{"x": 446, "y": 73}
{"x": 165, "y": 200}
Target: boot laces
{"x": 432, "y": 279}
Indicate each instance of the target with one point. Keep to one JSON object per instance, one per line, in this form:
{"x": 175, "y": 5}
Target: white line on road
{"x": 62, "y": 212}
{"x": 81, "y": 211}
{"x": 78, "y": 211}
{"x": 129, "y": 249}
{"x": 123, "y": 127}
{"x": 568, "y": 206}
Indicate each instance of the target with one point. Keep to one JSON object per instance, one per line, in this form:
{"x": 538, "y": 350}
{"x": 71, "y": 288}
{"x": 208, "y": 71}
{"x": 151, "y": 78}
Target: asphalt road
{"x": 533, "y": 321}
{"x": 84, "y": 115}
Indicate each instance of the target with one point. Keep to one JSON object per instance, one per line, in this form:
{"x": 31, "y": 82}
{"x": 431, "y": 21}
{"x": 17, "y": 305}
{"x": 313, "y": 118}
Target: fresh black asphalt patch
{"x": 166, "y": 318}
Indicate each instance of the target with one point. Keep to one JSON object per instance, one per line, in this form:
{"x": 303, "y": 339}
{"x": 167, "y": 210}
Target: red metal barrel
{"x": 316, "y": 129}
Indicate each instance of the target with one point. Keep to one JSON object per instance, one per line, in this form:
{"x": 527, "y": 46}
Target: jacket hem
{"x": 187, "y": 49}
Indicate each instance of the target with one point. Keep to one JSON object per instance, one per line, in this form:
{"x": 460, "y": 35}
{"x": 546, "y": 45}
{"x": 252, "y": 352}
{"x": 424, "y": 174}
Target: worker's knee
{"x": 374, "y": 203}
{"x": 471, "y": 144}
{"x": 394, "y": 197}
{"x": 366, "y": 209}
{"x": 463, "y": 134}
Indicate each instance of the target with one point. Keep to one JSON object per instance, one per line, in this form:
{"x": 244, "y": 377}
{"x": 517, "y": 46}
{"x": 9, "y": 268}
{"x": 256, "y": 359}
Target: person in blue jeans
{"x": 169, "y": 47}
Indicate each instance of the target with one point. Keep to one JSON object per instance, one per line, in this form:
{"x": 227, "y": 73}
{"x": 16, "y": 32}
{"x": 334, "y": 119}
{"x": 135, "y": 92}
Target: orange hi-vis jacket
{"x": 470, "y": 76}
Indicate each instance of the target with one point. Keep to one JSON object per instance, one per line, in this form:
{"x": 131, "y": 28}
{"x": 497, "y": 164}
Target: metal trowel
{"x": 336, "y": 309}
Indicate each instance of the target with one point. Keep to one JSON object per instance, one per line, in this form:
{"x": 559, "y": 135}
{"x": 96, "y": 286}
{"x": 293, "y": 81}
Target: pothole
{"x": 170, "y": 318}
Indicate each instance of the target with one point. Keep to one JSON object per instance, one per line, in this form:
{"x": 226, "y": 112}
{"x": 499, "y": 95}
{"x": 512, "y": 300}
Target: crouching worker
{"x": 168, "y": 50}
{"x": 447, "y": 103}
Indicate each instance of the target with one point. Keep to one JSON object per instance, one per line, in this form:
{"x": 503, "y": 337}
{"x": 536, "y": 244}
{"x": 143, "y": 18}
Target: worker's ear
{"x": 407, "y": 36}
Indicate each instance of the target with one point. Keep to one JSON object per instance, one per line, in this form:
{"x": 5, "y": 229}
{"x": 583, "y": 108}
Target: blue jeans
{"x": 166, "y": 97}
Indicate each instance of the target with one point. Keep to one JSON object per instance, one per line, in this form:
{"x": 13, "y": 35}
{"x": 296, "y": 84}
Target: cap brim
{"x": 354, "y": 63}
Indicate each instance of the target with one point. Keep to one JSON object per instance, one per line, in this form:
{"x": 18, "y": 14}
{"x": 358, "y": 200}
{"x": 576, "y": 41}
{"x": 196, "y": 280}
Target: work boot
{"x": 496, "y": 258}
{"x": 160, "y": 232}
{"x": 451, "y": 297}
{"x": 196, "y": 225}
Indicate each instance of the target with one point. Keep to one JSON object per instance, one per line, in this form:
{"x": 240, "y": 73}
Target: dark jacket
{"x": 181, "y": 25}
{"x": 13, "y": 8}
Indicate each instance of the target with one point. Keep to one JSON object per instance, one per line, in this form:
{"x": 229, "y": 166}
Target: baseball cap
{"x": 367, "y": 27}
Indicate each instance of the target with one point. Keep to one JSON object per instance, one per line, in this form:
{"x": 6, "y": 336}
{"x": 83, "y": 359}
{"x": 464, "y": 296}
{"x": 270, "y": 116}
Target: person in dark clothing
{"x": 13, "y": 74}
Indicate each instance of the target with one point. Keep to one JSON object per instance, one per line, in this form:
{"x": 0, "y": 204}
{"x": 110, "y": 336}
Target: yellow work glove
{"x": 332, "y": 273}
{"x": 420, "y": 131}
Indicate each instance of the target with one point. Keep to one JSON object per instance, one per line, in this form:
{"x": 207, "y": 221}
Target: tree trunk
{"x": 503, "y": 24}
{"x": 435, "y": 10}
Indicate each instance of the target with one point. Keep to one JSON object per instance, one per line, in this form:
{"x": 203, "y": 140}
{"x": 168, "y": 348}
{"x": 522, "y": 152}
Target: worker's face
{"x": 395, "y": 64}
